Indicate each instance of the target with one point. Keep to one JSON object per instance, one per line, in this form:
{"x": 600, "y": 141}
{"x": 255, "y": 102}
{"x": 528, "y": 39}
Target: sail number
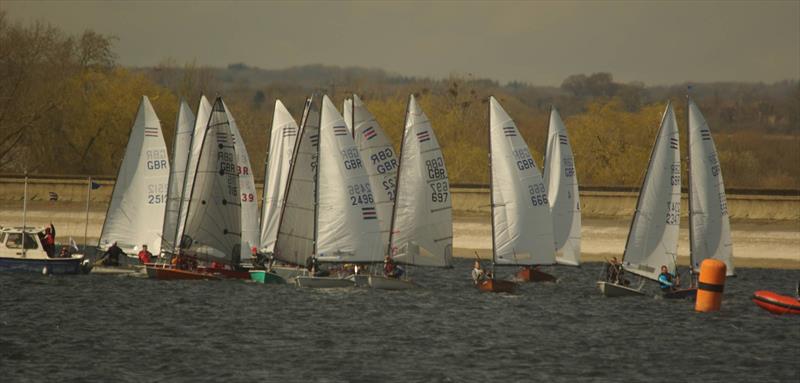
{"x": 524, "y": 159}
{"x": 351, "y": 158}
{"x": 569, "y": 167}
{"x": 360, "y": 194}
{"x": 389, "y": 186}
{"x": 538, "y": 194}
{"x": 676, "y": 174}
{"x": 156, "y": 159}
{"x": 440, "y": 191}
{"x": 723, "y": 203}
{"x": 248, "y": 197}
{"x": 384, "y": 161}
{"x": 436, "y": 170}
{"x": 156, "y": 194}
{"x": 673, "y": 213}
{"x": 227, "y": 168}
{"x": 242, "y": 170}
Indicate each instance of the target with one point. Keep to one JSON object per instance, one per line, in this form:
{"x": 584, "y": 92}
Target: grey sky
{"x": 538, "y": 42}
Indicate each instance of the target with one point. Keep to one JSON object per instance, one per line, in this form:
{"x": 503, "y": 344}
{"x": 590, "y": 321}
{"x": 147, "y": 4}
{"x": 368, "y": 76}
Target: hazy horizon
{"x": 540, "y": 43}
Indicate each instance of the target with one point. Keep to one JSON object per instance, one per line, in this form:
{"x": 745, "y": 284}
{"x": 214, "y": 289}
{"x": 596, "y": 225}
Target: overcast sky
{"x": 536, "y": 42}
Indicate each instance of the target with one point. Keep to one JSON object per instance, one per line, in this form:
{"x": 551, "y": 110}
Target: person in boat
{"x": 667, "y": 281}
{"x": 478, "y": 275}
{"x": 145, "y": 255}
{"x": 112, "y": 254}
{"x": 390, "y": 269}
{"x": 312, "y": 265}
{"x": 614, "y": 272}
{"x": 64, "y": 253}
{"x": 50, "y": 240}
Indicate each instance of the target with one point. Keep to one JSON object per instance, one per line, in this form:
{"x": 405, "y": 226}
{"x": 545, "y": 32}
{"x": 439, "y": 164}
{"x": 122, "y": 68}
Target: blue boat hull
{"x": 55, "y": 266}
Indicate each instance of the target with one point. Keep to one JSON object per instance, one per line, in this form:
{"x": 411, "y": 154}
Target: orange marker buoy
{"x": 710, "y": 285}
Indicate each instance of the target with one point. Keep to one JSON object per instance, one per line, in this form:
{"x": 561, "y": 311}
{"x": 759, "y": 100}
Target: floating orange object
{"x": 710, "y": 285}
{"x": 776, "y": 303}
{"x": 497, "y": 286}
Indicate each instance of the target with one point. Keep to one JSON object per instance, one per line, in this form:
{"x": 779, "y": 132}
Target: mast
{"x": 293, "y": 162}
{"x": 24, "y": 212}
{"x": 491, "y": 181}
{"x": 86, "y": 226}
{"x": 399, "y": 172}
{"x": 169, "y": 178}
{"x": 689, "y": 183}
{"x": 316, "y": 176}
{"x": 353, "y": 121}
{"x": 644, "y": 182}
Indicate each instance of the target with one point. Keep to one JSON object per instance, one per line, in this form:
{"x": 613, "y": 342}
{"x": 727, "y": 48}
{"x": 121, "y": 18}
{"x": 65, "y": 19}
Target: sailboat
{"x": 522, "y": 229}
{"x": 653, "y": 236}
{"x": 140, "y": 191}
{"x": 561, "y": 181}
{"x": 345, "y": 229}
{"x": 184, "y": 129}
{"x": 283, "y": 139}
{"x": 421, "y": 230}
{"x": 212, "y": 229}
{"x": 709, "y": 225}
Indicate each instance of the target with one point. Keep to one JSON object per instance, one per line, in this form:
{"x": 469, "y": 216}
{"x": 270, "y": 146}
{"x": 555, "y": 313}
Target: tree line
{"x": 67, "y": 106}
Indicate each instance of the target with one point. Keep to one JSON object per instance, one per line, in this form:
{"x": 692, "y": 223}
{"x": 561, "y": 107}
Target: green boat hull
{"x": 262, "y": 276}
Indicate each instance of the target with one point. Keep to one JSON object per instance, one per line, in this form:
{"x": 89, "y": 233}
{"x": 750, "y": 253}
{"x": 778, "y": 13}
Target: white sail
{"x": 380, "y": 162}
{"x": 347, "y": 113}
{"x": 213, "y": 223}
{"x": 200, "y": 124}
{"x": 711, "y": 229}
{"x": 522, "y": 226}
{"x": 281, "y": 146}
{"x": 561, "y": 181}
{"x": 140, "y": 192}
{"x": 295, "y": 239}
{"x": 422, "y": 227}
{"x": 247, "y": 193}
{"x": 347, "y": 228}
{"x": 184, "y": 128}
{"x": 653, "y": 239}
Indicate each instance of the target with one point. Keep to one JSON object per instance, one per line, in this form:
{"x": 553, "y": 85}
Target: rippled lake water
{"x": 118, "y": 328}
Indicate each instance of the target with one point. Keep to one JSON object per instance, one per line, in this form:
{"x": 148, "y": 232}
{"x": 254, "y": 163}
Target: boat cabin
{"x": 16, "y": 244}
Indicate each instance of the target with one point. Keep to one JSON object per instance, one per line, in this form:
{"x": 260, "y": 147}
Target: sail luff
{"x": 198, "y": 135}
{"x": 177, "y": 176}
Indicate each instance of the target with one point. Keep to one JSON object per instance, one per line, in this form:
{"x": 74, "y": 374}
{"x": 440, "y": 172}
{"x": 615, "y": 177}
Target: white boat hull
{"x": 614, "y": 290}
{"x": 360, "y": 280}
{"x": 384, "y": 283}
{"x": 288, "y": 273}
{"x": 138, "y": 271}
{"x": 322, "y": 282}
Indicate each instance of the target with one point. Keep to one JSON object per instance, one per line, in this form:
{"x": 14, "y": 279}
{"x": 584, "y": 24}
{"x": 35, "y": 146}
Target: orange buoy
{"x": 710, "y": 285}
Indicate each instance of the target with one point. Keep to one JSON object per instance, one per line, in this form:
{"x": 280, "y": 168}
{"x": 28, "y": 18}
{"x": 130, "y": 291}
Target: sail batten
{"x": 522, "y": 225}
{"x": 709, "y": 221}
{"x": 140, "y": 191}
{"x": 422, "y": 224}
{"x": 653, "y": 238}
{"x": 561, "y": 181}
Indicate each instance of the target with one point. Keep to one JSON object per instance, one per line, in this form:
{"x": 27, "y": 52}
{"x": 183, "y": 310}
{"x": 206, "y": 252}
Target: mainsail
{"x": 247, "y": 192}
{"x": 213, "y": 224}
{"x": 295, "y": 239}
{"x": 281, "y": 146}
{"x": 653, "y": 238}
{"x": 140, "y": 191}
{"x": 422, "y": 223}
{"x": 708, "y": 216}
{"x": 200, "y": 124}
{"x": 522, "y": 228}
{"x": 380, "y": 162}
{"x": 562, "y": 193}
{"x": 184, "y": 128}
{"x": 346, "y": 214}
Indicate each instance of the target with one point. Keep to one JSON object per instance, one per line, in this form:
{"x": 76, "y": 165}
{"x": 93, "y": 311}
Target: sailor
{"x": 614, "y": 272}
{"x": 391, "y": 270}
{"x": 667, "y": 280}
{"x": 111, "y": 256}
{"x": 144, "y": 255}
{"x": 50, "y": 240}
{"x": 477, "y": 273}
{"x": 312, "y": 264}
{"x": 64, "y": 253}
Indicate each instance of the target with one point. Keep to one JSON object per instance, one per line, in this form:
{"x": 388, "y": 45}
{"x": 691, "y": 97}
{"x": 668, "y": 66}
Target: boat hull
{"x": 613, "y": 290}
{"x": 225, "y": 273}
{"x": 322, "y": 282}
{"x": 263, "y": 276}
{"x": 169, "y": 273}
{"x": 497, "y": 286}
{"x": 360, "y": 280}
{"x": 120, "y": 270}
{"x": 384, "y": 283}
{"x": 55, "y": 266}
{"x": 288, "y": 273}
{"x": 681, "y": 294}
{"x": 533, "y": 275}
{"x": 776, "y": 303}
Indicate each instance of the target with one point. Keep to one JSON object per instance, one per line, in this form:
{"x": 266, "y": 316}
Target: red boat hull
{"x": 534, "y": 275}
{"x": 497, "y": 286}
{"x": 170, "y": 273}
{"x": 225, "y": 273}
{"x": 776, "y": 303}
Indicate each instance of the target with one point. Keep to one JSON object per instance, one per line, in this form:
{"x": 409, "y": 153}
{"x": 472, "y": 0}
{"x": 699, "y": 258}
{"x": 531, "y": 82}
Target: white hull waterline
{"x": 322, "y": 282}
{"x": 612, "y": 290}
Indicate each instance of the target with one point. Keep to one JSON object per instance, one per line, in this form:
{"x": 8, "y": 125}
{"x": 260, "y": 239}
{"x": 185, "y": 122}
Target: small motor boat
{"x": 776, "y": 303}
